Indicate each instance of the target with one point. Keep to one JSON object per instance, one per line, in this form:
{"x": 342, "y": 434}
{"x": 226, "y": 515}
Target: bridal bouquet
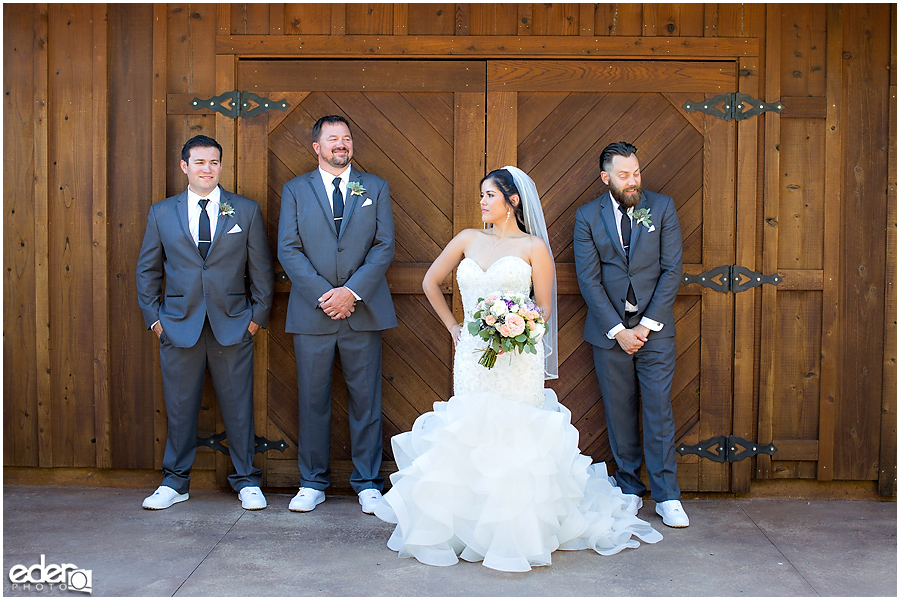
{"x": 507, "y": 321}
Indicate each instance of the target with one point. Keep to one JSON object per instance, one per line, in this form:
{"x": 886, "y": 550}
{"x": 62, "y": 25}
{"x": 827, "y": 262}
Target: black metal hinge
{"x": 734, "y": 106}
{"x": 731, "y": 278}
{"x": 262, "y": 444}
{"x": 726, "y": 449}
{"x": 236, "y": 104}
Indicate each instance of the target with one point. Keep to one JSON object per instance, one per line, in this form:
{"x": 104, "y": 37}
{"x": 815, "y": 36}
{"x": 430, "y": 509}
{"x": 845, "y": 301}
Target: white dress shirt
{"x": 212, "y": 209}
{"x": 629, "y": 307}
{"x": 328, "y": 180}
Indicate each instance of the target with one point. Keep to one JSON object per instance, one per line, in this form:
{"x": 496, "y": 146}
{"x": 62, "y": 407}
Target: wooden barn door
{"x": 552, "y": 119}
{"x": 419, "y": 125}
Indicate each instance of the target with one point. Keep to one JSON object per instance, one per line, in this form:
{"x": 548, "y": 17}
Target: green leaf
{"x": 521, "y": 337}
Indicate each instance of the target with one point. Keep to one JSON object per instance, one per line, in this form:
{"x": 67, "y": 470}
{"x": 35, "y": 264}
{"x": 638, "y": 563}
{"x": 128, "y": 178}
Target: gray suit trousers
{"x": 360, "y": 353}
{"x": 620, "y": 375}
{"x": 231, "y": 371}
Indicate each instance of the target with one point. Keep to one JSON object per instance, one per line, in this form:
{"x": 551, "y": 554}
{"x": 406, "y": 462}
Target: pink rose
{"x": 504, "y": 330}
{"x": 490, "y": 299}
{"x": 516, "y": 325}
{"x": 490, "y": 320}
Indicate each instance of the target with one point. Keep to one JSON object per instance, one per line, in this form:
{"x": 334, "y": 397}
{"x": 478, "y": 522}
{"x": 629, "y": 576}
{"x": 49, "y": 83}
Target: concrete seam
{"x": 214, "y": 546}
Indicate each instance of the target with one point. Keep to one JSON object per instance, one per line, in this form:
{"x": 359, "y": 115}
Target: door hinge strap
{"x": 734, "y": 106}
{"x": 724, "y": 448}
{"x": 236, "y": 104}
{"x": 261, "y": 444}
{"x": 731, "y": 278}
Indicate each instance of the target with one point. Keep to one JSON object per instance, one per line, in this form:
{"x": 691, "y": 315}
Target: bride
{"x": 494, "y": 474}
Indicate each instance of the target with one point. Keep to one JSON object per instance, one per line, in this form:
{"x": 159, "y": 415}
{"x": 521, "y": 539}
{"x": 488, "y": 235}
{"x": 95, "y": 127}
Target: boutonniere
{"x": 225, "y": 210}
{"x": 642, "y": 217}
{"x": 356, "y": 188}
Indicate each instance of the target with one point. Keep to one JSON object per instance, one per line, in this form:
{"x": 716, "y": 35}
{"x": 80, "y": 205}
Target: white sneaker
{"x": 306, "y": 500}
{"x": 634, "y": 505}
{"x": 369, "y": 500}
{"x": 252, "y": 498}
{"x": 672, "y": 513}
{"x": 163, "y": 497}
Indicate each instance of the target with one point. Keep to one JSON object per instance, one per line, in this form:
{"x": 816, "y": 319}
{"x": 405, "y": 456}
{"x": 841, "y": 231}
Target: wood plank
{"x": 249, "y": 18}
{"x": 360, "y": 75}
{"x": 429, "y": 19}
{"x": 159, "y": 167}
{"x": 800, "y": 211}
{"x": 226, "y": 126}
{"x": 493, "y": 19}
{"x": 649, "y": 24}
{"x": 804, "y": 107}
{"x": 803, "y": 34}
{"x": 72, "y": 428}
{"x": 24, "y": 138}
{"x": 100, "y": 238}
{"x": 609, "y": 76}
{"x": 586, "y": 19}
{"x": 502, "y": 110}
{"x": 385, "y": 45}
{"x": 769, "y": 264}
{"x": 865, "y": 114}
{"x": 303, "y": 18}
{"x": 887, "y": 459}
{"x": 796, "y": 449}
{"x": 469, "y": 164}
{"x": 370, "y": 19}
{"x": 401, "y": 18}
{"x": 276, "y": 18}
{"x": 554, "y": 19}
{"x": 338, "y": 19}
{"x": 717, "y": 328}
{"x": 745, "y": 254}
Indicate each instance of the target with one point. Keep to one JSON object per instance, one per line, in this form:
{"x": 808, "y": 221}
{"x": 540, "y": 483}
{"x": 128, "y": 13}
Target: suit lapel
{"x": 350, "y": 199}
{"x": 315, "y": 181}
{"x": 183, "y": 219}
{"x": 608, "y": 216}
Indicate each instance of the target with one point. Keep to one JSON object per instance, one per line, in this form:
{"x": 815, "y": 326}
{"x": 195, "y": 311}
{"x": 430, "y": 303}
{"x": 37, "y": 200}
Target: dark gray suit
{"x": 205, "y": 313}
{"x": 316, "y": 260}
{"x": 654, "y": 271}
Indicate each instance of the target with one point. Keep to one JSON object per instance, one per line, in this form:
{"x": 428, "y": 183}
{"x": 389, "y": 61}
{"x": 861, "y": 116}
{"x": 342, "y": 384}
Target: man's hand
{"x": 253, "y": 328}
{"x": 631, "y": 340}
{"x": 338, "y": 303}
{"x": 157, "y": 329}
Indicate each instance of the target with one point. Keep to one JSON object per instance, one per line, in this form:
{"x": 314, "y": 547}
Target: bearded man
{"x": 628, "y": 260}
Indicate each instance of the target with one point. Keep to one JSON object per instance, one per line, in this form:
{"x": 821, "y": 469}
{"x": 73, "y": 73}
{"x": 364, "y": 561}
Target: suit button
{"x": 205, "y": 268}
{"x": 340, "y": 249}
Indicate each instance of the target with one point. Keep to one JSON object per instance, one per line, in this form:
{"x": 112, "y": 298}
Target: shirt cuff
{"x": 651, "y": 324}
{"x": 611, "y": 334}
{"x": 355, "y": 295}
{"x": 154, "y": 325}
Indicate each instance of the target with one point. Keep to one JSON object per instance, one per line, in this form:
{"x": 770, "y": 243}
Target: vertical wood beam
{"x": 711, "y": 19}
{"x": 586, "y": 19}
{"x": 831, "y": 261}
{"x": 401, "y": 18}
{"x": 887, "y": 460}
{"x": 468, "y": 168}
{"x": 158, "y": 192}
{"x": 745, "y": 254}
{"x": 650, "y": 14}
{"x": 338, "y": 19}
{"x": 769, "y": 320}
{"x": 525, "y": 19}
{"x": 502, "y": 122}
{"x": 41, "y": 231}
{"x": 463, "y": 19}
{"x": 100, "y": 246}
{"x": 276, "y": 19}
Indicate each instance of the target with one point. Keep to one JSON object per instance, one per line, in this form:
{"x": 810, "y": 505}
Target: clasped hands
{"x": 338, "y": 303}
{"x": 632, "y": 340}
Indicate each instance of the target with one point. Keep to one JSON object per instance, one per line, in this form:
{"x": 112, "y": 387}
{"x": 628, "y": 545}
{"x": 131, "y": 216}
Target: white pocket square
{"x": 652, "y": 228}
{"x": 236, "y": 229}
{"x": 367, "y": 202}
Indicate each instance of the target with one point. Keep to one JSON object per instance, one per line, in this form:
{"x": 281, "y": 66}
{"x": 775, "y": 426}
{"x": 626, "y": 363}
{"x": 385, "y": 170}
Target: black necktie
{"x": 205, "y": 236}
{"x": 626, "y": 242}
{"x": 337, "y": 200}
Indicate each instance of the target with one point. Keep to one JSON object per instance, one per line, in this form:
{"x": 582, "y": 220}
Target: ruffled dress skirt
{"x": 484, "y": 478}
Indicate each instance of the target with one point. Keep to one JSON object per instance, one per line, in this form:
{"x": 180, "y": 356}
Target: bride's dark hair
{"x": 503, "y": 179}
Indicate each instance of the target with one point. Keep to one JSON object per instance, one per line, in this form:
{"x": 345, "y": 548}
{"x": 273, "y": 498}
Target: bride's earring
{"x": 507, "y": 214}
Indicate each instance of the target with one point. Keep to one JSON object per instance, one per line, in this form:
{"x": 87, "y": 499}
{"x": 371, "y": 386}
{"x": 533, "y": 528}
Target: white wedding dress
{"x": 494, "y": 474}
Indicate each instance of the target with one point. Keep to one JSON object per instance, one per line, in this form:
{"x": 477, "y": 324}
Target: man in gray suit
{"x": 336, "y": 242}
{"x": 210, "y": 246}
{"x": 628, "y": 261}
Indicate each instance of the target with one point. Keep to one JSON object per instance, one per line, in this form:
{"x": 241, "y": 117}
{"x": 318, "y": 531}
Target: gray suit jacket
{"x": 216, "y": 287}
{"x": 316, "y": 259}
{"x": 653, "y": 268}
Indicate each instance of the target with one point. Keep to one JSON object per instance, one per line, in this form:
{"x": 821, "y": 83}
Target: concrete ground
{"x": 209, "y": 546}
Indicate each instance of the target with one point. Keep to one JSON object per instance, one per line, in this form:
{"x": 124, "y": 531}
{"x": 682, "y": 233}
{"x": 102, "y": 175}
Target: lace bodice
{"x": 518, "y": 377}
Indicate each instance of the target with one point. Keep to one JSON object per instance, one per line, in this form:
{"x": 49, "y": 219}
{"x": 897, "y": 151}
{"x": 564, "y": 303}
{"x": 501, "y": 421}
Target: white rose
{"x": 499, "y": 308}
{"x": 537, "y": 330}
